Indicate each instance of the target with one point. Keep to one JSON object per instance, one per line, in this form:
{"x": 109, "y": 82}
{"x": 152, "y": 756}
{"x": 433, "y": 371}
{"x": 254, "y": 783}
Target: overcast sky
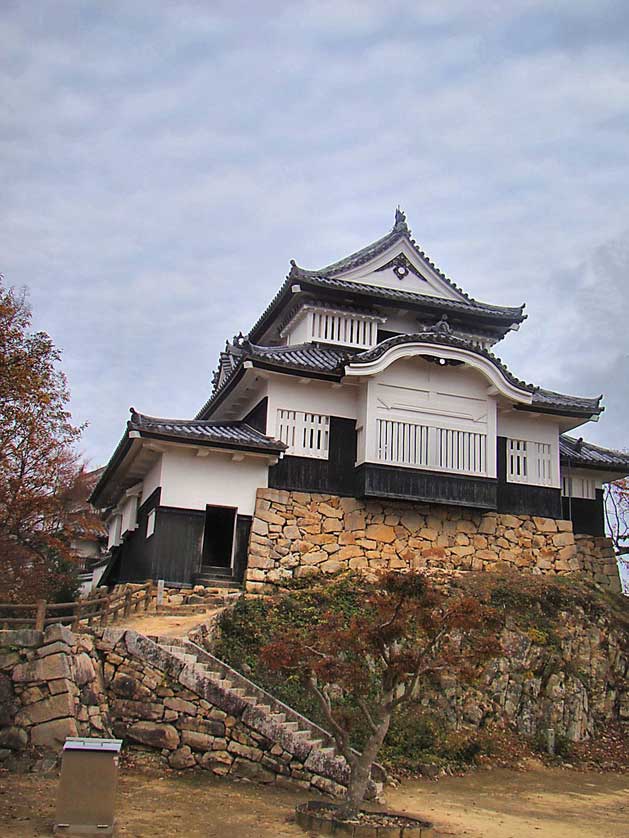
{"x": 161, "y": 162}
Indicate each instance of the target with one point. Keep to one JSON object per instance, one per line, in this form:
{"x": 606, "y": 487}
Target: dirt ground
{"x": 547, "y": 803}
{"x": 166, "y": 625}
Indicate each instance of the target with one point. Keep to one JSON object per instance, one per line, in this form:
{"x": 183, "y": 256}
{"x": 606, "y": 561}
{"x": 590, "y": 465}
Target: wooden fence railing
{"x": 98, "y": 610}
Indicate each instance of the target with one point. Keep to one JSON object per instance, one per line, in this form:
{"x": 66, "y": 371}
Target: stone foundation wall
{"x": 297, "y": 534}
{"x": 51, "y": 686}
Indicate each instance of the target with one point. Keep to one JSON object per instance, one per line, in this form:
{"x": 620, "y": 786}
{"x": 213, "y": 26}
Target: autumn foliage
{"x": 378, "y": 649}
{"x": 39, "y": 468}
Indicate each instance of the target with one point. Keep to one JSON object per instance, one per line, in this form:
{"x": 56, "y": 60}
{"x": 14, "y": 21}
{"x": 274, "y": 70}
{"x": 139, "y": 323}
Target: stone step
{"x": 291, "y": 722}
{"x": 226, "y": 584}
{"x": 215, "y": 570}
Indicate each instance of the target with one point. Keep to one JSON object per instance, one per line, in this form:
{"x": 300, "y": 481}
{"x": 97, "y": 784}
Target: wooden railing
{"x": 98, "y": 610}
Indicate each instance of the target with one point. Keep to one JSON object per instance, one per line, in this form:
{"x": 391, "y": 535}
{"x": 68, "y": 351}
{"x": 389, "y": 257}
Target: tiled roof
{"x": 399, "y": 232}
{"x": 585, "y": 454}
{"x": 443, "y": 339}
{"x": 550, "y": 399}
{"x": 514, "y": 314}
{"x": 327, "y": 278}
{"x": 309, "y": 356}
{"x": 229, "y": 434}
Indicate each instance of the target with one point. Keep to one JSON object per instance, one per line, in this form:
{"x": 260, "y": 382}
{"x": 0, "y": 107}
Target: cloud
{"x": 161, "y": 165}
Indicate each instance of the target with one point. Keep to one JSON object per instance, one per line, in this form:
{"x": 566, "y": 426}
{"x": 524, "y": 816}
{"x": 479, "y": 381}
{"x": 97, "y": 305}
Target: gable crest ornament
{"x": 402, "y": 267}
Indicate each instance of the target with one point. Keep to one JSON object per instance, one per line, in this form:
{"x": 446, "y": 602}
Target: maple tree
{"x": 616, "y": 505}
{"x": 39, "y": 467}
{"x": 378, "y": 649}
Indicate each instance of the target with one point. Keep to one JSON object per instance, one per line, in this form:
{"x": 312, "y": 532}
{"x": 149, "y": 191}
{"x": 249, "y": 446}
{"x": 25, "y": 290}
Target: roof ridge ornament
{"x": 441, "y": 327}
{"x": 400, "y": 225}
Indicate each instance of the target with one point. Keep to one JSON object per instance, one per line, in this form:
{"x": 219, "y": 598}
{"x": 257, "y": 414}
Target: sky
{"x": 161, "y": 163}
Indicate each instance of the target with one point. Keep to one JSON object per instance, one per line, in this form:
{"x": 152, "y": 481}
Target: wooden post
{"x": 40, "y": 615}
{"x": 77, "y": 615}
{"x": 160, "y": 593}
{"x": 127, "y": 602}
{"x": 105, "y": 612}
{"x": 149, "y": 594}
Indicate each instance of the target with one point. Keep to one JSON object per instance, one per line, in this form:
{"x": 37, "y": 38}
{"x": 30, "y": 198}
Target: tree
{"x": 38, "y": 465}
{"x": 616, "y": 505}
{"x": 399, "y": 635}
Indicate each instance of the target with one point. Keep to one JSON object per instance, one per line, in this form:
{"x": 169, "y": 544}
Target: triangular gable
{"x": 402, "y": 268}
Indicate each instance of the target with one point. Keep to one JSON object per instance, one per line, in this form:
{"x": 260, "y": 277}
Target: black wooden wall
{"x": 334, "y": 475}
{"x": 136, "y": 554}
{"x": 381, "y": 481}
{"x": 587, "y": 516}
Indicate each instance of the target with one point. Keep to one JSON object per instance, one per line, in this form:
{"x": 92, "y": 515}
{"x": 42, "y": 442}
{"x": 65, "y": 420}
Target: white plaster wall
{"x": 152, "y": 480}
{"x": 191, "y": 482}
{"x": 432, "y": 285}
{"x": 300, "y": 332}
{"x": 404, "y": 323}
{"x": 287, "y": 393}
{"x": 415, "y": 390}
{"x": 517, "y": 424}
{"x": 129, "y": 508}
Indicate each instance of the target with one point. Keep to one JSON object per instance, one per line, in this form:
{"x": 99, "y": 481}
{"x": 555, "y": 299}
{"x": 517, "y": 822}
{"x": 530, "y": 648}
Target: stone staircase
{"x": 313, "y": 746}
{"x": 214, "y": 576}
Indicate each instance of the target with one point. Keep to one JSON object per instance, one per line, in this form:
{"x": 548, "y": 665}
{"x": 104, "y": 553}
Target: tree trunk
{"x": 361, "y": 767}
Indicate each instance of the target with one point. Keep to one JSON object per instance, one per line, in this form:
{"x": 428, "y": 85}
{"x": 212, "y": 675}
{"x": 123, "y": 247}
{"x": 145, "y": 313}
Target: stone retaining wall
{"x": 51, "y": 686}
{"x": 297, "y": 534}
{"x": 56, "y": 684}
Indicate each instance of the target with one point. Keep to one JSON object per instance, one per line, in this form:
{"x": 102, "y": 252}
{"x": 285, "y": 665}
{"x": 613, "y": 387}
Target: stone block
{"x": 270, "y": 517}
{"x": 355, "y": 521}
{"x": 564, "y": 526}
{"x": 127, "y": 709}
{"x": 315, "y": 557}
{"x": 196, "y": 740}
{"x": 53, "y": 734}
{"x": 292, "y": 533}
{"x": 83, "y": 667}
{"x": 13, "y": 738}
{"x": 128, "y": 687}
{"x": 332, "y": 525}
{"x": 349, "y": 505}
{"x": 58, "y": 632}
{"x": 179, "y": 705}
{"x": 181, "y": 758}
{"x": 260, "y": 527}
{"x": 349, "y": 552}
{"x": 563, "y": 539}
{"x": 510, "y": 521}
{"x": 545, "y": 524}
{"x": 43, "y": 669}
{"x": 54, "y": 707}
{"x": 382, "y": 533}
{"x": 246, "y": 751}
{"x": 274, "y": 495}
{"x": 252, "y": 771}
{"x": 331, "y": 566}
{"x": 154, "y": 735}
{"x": 329, "y": 511}
{"x": 20, "y": 638}
{"x": 308, "y": 570}
{"x": 487, "y": 525}
{"x": 53, "y": 649}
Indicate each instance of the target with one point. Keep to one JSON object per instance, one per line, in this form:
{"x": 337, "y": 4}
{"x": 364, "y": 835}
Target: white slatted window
{"x": 403, "y": 443}
{"x": 579, "y": 487}
{"x": 529, "y": 462}
{"x": 306, "y": 434}
{"x": 517, "y": 461}
{"x": 344, "y": 329}
{"x": 543, "y": 464}
{"x": 461, "y": 451}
